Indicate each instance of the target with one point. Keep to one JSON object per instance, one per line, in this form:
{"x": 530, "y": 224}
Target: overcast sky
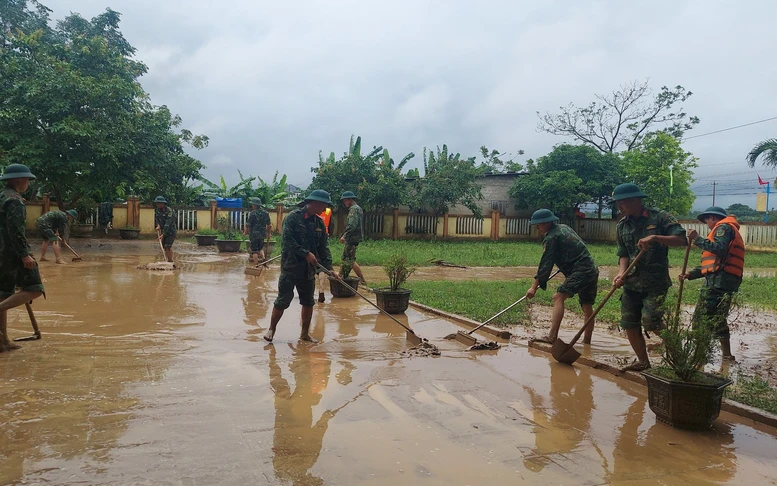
{"x": 272, "y": 83}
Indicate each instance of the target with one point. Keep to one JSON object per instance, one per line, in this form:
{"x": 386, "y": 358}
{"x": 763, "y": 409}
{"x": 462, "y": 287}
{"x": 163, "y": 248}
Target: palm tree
{"x": 767, "y": 149}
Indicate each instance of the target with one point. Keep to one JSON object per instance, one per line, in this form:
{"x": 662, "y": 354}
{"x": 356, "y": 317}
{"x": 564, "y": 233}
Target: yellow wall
{"x": 147, "y": 220}
{"x": 34, "y": 211}
{"x": 203, "y": 219}
{"x": 119, "y": 216}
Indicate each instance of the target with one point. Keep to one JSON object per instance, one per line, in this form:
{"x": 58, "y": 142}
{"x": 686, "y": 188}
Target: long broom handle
{"x": 69, "y": 248}
{"x": 508, "y": 308}
{"x": 604, "y": 301}
{"x": 365, "y": 298}
{"x": 33, "y": 320}
{"x": 682, "y": 281}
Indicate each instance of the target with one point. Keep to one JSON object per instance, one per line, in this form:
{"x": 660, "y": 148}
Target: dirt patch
{"x": 488, "y": 345}
{"x": 423, "y": 349}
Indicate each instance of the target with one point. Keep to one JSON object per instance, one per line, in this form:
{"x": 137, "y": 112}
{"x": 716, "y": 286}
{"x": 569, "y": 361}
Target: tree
{"x": 664, "y": 171}
{"x": 595, "y": 175}
{"x": 374, "y": 177}
{"x": 622, "y": 120}
{"x": 71, "y": 108}
{"x": 448, "y": 180}
{"x": 493, "y": 160}
{"x": 767, "y": 151}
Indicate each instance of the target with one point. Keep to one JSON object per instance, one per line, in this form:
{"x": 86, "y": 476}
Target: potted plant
{"x": 80, "y": 228}
{"x": 340, "y": 290}
{"x": 394, "y": 299}
{"x": 206, "y": 236}
{"x": 229, "y": 239}
{"x": 679, "y": 393}
{"x": 129, "y": 233}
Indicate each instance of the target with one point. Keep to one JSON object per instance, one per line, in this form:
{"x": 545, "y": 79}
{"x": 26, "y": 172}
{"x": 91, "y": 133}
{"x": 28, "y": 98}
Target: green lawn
{"x": 503, "y": 253}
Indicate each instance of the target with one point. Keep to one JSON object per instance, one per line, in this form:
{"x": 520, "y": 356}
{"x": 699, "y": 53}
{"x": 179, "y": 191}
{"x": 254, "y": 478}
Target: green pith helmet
{"x": 348, "y": 195}
{"x": 17, "y": 171}
{"x": 713, "y": 210}
{"x": 72, "y": 213}
{"x": 255, "y": 201}
{"x": 543, "y": 216}
{"x": 160, "y": 199}
{"x": 626, "y": 191}
{"x": 319, "y": 195}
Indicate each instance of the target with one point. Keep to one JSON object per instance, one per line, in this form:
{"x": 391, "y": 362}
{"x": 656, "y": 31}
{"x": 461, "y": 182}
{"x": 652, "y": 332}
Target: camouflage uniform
{"x": 302, "y": 233}
{"x": 354, "y": 233}
{"x": 257, "y": 224}
{"x": 51, "y": 222}
{"x": 14, "y": 247}
{"x": 646, "y": 286}
{"x": 719, "y": 288}
{"x": 167, "y": 220}
{"x": 564, "y": 248}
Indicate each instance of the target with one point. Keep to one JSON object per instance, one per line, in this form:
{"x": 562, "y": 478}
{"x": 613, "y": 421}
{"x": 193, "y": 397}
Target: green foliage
{"x": 686, "y": 349}
{"x": 448, "y": 180}
{"x": 745, "y": 213}
{"x": 495, "y": 161}
{"x": 767, "y": 151}
{"x": 207, "y": 232}
{"x": 241, "y": 189}
{"x": 754, "y": 391}
{"x": 130, "y": 228}
{"x": 374, "y": 177}
{"x": 649, "y": 165}
{"x": 397, "y": 270}
{"x": 226, "y": 231}
{"x": 345, "y": 269}
{"x": 621, "y": 120}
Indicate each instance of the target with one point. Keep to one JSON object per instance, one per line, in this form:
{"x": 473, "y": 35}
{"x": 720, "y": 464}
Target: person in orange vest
{"x": 326, "y": 215}
{"x": 722, "y": 265}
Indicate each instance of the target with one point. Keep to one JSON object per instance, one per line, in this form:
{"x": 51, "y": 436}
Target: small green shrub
{"x": 397, "y": 270}
{"x": 207, "y": 232}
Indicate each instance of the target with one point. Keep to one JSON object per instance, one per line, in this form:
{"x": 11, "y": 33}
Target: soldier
{"x": 354, "y": 232}
{"x": 564, "y": 248}
{"x": 644, "y": 290}
{"x": 18, "y": 268}
{"x": 326, "y": 217}
{"x": 258, "y": 227}
{"x": 51, "y": 227}
{"x": 722, "y": 265}
{"x": 304, "y": 244}
{"x": 166, "y": 225}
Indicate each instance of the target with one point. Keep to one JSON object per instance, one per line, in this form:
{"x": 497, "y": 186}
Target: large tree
{"x": 664, "y": 171}
{"x": 448, "y": 180}
{"x": 621, "y": 120}
{"x": 766, "y": 151}
{"x": 72, "y": 108}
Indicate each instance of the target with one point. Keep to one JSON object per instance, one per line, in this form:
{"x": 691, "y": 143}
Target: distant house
{"x": 293, "y": 190}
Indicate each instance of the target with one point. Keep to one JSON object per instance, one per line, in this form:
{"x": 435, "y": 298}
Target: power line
{"x": 731, "y": 128}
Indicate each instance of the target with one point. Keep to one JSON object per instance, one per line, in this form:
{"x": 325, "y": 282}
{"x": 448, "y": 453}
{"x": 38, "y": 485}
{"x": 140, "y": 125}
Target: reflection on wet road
{"x": 154, "y": 378}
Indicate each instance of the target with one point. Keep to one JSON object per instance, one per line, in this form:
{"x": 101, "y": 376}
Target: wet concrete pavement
{"x": 163, "y": 378}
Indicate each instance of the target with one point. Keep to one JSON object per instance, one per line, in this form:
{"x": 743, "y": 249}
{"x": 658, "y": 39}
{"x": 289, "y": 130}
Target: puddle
{"x": 163, "y": 378}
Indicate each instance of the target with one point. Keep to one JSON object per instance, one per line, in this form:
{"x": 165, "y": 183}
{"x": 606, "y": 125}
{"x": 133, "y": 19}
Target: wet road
{"x": 151, "y": 378}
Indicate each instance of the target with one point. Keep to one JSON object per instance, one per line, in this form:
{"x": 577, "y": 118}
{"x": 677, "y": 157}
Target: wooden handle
{"x": 33, "y": 320}
{"x": 682, "y": 281}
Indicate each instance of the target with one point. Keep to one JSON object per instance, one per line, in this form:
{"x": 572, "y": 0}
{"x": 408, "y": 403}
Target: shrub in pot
{"x": 229, "y": 239}
{"x": 129, "y": 233}
{"x": 206, "y": 236}
{"x": 340, "y": 290}
{"x": 678, "y": 392}
{"x": 394, "y": 299}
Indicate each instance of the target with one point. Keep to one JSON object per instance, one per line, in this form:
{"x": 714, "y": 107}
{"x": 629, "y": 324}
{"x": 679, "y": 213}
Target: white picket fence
{"x": 469, "y": 225}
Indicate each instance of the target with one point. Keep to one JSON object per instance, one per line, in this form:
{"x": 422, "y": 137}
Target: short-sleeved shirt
{"x": 257, "y": 223}
{"x": 651, "y": 273}
{"x": 354, "y": 227}
{"x": 303, "y": 233}
{"x": 562, "y": 247}
{"x": 53, "y": 220}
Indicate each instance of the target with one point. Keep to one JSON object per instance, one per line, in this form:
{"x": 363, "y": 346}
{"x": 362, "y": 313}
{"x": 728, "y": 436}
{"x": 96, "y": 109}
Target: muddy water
{"x": 154, "y": 378}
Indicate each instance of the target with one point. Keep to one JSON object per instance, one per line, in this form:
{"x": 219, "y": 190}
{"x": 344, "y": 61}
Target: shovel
{"x": 466, "y": 337}
{"x": 412, "y": 337}
{"x": 566, "y": 353}
{"x": 77, "y": 257}
{"x": 34, "y": 323}
{"x": 257, "y": 270}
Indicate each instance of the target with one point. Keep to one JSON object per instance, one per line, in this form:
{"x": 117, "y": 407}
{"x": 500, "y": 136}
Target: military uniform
{"x": 50, "y": 223}
{"x": 167, "y": 221}
{"x": 354, "y": 233}
{"x": 645, "y": 288}
{"x": 720, "y": 286}
{"x": 564, "y": 248}
{"x": 258, "y": 220}
{"x": 302, "y": 233}
{"x": 14, "y": 247}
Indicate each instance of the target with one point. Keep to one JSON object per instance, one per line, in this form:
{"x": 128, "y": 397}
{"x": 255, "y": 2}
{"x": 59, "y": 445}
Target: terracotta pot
{"x": 340, "y": 290}
{"x": 229, "y": 246}
{"x": 685, "y": 405}
{"x": 206, "y": 240}
{"x": 393, "y": 301}
{"x": 129, "y": 234}
{"x": 82, "y": 230}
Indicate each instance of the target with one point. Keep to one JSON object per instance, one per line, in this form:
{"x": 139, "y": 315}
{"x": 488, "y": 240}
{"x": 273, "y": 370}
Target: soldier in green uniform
{"x": 166, "y": 225}
{"x": 723, "y": 261}
{"x": 354, "y": 232}
{"x": 644, "y": 290}
{"x": 18, "y": 268}
{"x": 562, "y": 247}
{"x": 52, "y": 227}
{"x": 304, "y": 246}
{"x": 257, "y": 227}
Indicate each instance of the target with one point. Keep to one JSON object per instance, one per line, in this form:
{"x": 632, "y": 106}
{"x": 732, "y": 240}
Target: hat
{"x": 542, "y": 216}
{"x": 72, "y": 213}
{"x": 348, "y": 195}
{"x": 713, "y": 210}
{"x": 17, "y": 171}
{"x": 626, "y": 191}
{"x": 255, "y": 201}
{"x": 160, "y": 199}
{"x": 319, "y": 195}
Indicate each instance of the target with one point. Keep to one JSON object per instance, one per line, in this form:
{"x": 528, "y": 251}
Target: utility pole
{"x": 713, "y": 192}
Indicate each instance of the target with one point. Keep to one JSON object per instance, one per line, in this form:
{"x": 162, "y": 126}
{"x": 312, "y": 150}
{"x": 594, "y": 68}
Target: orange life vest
{"x": 326, "y": 215}
{"x": 734, "y": 261}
